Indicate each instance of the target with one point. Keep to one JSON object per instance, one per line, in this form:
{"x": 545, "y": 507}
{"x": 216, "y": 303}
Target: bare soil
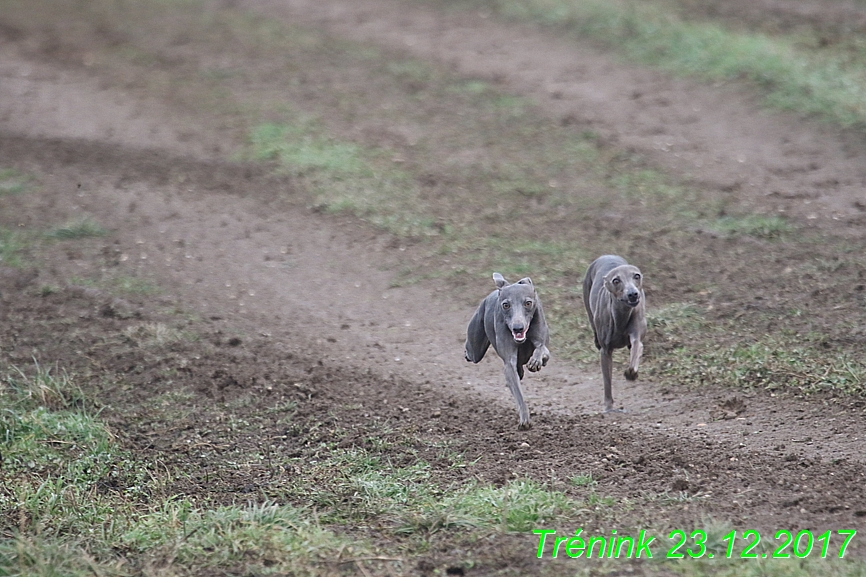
{"x": 291, "y": 304}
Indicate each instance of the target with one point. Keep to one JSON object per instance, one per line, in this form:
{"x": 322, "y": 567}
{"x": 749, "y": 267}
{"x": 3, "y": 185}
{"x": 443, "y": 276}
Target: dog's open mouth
{"x": 519, "y": 337}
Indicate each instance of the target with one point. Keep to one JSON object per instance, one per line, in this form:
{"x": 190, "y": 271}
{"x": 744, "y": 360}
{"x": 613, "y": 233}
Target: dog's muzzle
{"x": 518, "y": 333}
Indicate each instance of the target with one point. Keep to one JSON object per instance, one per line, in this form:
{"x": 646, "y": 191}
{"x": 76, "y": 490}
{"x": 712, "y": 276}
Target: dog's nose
{"x": 517, "y": 328}
{"x": 633, "y": 296}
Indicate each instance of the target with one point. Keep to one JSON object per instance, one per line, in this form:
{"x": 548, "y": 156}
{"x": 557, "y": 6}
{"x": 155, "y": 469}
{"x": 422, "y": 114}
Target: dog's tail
{"x": 476, "y": 337}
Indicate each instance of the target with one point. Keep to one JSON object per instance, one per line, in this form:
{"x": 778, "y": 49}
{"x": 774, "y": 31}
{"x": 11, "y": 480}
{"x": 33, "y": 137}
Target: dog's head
{"x": 624, "y": 283}
{"x": 517, "y": 303}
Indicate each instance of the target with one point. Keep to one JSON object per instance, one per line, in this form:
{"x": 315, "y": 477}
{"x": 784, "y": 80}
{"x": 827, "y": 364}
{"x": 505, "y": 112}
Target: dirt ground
{"x": 293, "y": 305}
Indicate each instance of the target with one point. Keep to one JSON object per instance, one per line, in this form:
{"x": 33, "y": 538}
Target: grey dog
{"x": 615, "y": 303}
{"x": 512, "y": 320}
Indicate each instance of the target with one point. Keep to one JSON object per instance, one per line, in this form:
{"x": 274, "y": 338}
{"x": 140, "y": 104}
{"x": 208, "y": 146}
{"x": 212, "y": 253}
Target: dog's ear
{"x": 525, "y": 280}
{"x": 499, "y": 280}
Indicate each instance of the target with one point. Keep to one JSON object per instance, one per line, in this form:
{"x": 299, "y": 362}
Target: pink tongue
{"x": 519, "y": 335}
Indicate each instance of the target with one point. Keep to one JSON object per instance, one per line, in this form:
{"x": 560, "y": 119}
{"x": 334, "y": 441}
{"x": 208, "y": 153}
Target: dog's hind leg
{"x": 512, "y": 379}
{"x": 477, "y": 342}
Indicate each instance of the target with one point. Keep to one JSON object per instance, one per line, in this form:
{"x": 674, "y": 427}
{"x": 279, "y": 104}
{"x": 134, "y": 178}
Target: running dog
{"x": 615, "y": 303}
{"x": 512, "y": 320}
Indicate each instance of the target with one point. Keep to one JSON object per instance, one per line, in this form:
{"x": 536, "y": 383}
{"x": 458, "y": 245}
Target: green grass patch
{"x": 361, "y": 488}
{"x": 518, "y": 506}
{"x": 13, "y": 182}
{"x": 657, "y": 192}
{"x": 56, "y": 457}
{"x": 698, "y": 352}
{"x": 761, "y": 226}
{"x": 84, "y": 227}
{"x": 830, "y": 84}
{"x": 771, "y": 363}
{"x": 301, "y": 149}
{"x": 116, "y": 283}
{"x": 675, "y": 316}
{"x": 344, "y": 177}
{"x": 76, "y": 503}
{"x": 263, "y": 538}
{"x": 134, "y": 285}
{"x": 14, "y": 246}
{"x": 39, "y": 556}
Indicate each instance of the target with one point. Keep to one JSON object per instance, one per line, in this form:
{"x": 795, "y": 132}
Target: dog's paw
{"x": 630, "y": 374}
{"x": 524, "y": 426}
{"x": 538, "y": 359}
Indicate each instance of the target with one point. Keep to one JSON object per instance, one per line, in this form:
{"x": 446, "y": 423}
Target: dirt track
{"x": 311, "y": 300}
{"x": 718, "y": 137}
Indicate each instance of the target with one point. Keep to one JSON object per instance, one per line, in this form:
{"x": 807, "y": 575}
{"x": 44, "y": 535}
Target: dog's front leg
{"x": 513, "y": 382}
{"x": 539, "y": 358}
{"x": 634, "y": 357}
{"x": 606, "y": 375}
{"x": 540, "y": 337}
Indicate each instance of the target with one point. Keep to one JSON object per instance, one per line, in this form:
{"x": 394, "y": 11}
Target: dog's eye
{"x": 636, "y": 276}
{"x": 527, "y": 304}
{"x": 506, "y": 305}
{"x": 616, "y": 281}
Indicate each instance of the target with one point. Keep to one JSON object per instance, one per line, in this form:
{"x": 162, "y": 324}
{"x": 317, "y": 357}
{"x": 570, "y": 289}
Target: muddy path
{"x": 226, "y": 241}
{"x": 718, "y": 137}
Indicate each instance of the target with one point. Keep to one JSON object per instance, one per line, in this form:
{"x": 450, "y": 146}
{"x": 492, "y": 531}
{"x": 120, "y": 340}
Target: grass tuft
{"x": 84, "y": 227}
{"x": 584, "y": 480}
{"x": 41, "y": 388}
